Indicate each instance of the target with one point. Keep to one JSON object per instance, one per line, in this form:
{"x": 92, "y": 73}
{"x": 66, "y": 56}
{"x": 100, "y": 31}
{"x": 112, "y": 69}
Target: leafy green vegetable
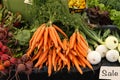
{"x": 114, "y": 4}
{"x": 23, "y": 36}
{"x": 115, "y": 16}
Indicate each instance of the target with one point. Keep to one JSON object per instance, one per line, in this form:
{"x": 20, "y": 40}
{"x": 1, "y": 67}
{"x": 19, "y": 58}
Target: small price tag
{"x": 109, "y": 72}
{"x": 28, "y": 2}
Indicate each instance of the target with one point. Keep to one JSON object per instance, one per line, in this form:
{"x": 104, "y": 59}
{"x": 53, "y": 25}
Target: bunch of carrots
{"x": 47, "y": 48}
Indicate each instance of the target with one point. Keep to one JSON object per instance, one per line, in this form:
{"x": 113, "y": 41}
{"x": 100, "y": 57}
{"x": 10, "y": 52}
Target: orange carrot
{"x": 75, "y": 45}
{"x": 49, "y": 64}
{"x": 36, "y": 33}
{"x": 59, "y": 64}
{"x": 76, "y": 63}
{"x": 30, "y": 50}
{"x": 50, "y": 43}
{"x": 78, "y": 37}
{"x": 60, "y": 30}
{"x": 65, "y": 43}
{"x": 81, "y": 51}
{"x": 81, "y": 47}
{"x": 62, "y": 56}
{"x": 67, "y": 51}
{"x": 82, "y": 63}
{"x": 87, "y": 63}
{"x": 45, "y": 38}
{"x": 58, "y": 38}
{"x": 36, "y": 56}
{"x": 53, "y": 57}
{"x": 40, "y": 34}
{"x": 41, "y": 65}
{"x": 72, "y": 40}
{"x": 68, "y": 64}
{"x": 73, "y": 52}
{"x": 52, "y": 36}
{"x": 58, "y": 49}
{"x": 41, "y": 58}
{"x": 40, "y": 43}
{"x": 83, "y": 39}
{"x": 55, "y": 64}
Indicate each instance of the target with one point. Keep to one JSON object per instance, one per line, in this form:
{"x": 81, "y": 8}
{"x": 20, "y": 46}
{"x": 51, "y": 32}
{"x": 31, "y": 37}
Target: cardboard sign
{"x": 109, "y": 72}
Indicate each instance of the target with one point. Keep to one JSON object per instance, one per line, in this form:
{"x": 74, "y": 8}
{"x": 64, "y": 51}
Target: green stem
{"x": 89, "y": 33}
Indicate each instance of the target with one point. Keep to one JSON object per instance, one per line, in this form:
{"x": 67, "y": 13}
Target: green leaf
{"x": 106, "y": 33}
{"x": 23, "y": 37}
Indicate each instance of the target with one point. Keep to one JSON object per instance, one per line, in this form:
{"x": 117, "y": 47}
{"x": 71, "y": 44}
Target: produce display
{"x": 57, "y": 39}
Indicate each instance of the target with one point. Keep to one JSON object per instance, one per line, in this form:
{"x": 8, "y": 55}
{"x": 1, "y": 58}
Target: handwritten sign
{"x": 109, "y": 72}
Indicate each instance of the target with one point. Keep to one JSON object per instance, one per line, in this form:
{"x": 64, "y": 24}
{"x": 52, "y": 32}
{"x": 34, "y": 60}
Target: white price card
{"x": 110, "y": 72}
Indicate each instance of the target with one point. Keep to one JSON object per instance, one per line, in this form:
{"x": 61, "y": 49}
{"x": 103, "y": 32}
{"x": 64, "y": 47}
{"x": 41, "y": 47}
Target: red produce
{"x": 1, "y": 67}
{"x": 1, "y": 44}
{"x": 6, "y": 63}
{"x": 4, "y": 49}
{"x": 13, "y": 60}
{"x": 5, "y": 57}
{"x": 1, "y": 53}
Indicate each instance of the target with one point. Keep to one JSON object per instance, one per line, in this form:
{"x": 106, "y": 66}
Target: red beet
{"x": 5, "y": 57}
{"x": 29, "y": 64}
{"x": 6, "y": 63}
{"x": 25, "y": 58}
{"x": 1, "y": 44}
{"x": 4, "y": 49}
{"x": 28, "y": 72}
{"x": 1, "y": 53}
{"x": 19, "y": 61}
{"x": 13, "y": 60}
{"x": 20, "y": 68}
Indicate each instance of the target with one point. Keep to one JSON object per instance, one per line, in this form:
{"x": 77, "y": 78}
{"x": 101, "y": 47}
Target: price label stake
{"x": 110, "y": 72}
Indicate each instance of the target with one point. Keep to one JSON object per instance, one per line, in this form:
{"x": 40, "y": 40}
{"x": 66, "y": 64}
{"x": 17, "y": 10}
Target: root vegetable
{"x": 112, "y": 55}
{"x": 94, "y": 57}
{"x": 1, "y": 53}
{"x": 119, "y": 59}
{"x": 1, "y": 67}
{"x": 13, "y": 60}
{"x": 102, "y": 49}
{"x": 24, "y": 58}
{"x": 29, "y": 64}
{"x": 6, "y": 63}
{"x": 5, "y": 57}
{"x": 20, "y": 68}
{"x": 4, "y": 49}
{"x": 1, "y": 44}
{"x": 28, "y": 72}
{"x": 111, "y": 42}
{"x": 118, "y": 47}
